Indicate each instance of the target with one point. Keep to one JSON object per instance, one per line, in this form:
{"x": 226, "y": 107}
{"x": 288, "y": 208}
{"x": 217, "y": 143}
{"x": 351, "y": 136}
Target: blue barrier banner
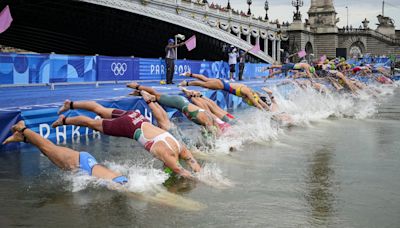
{"x": 115, "y": 68}
{"x": 254, "y": 70}
{"x": 67, "y": 68}
{"x": 150, "y": 69}
{"x": 22, "y": 68}
{"x": 53, "y": 68}
{"x": 8, "y": 119}
{"x": 155, "y": 69}
{"x": 43, "y": 68}
{"x": 218, "y": 69}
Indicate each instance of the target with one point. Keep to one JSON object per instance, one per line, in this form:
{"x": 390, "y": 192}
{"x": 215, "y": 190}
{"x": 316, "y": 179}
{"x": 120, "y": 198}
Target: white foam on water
{"x": 308, "y": 105}
{"x": 305, "y": 106}
{"x": 212, "y": 175}
{"x": 143, "y": 178}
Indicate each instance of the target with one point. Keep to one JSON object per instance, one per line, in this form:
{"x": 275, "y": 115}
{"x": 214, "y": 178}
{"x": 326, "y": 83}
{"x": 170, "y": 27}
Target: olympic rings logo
{"x": 119, "y": 68}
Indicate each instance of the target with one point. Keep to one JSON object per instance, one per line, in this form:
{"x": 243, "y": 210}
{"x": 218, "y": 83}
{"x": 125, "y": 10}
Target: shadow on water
{"x": 319, "y": 183}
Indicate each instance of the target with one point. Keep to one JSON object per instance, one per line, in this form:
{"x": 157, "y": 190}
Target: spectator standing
{"x": 170, "y": 59}
{"x": 242, "y": 62}
{"x": 233, "y": 55}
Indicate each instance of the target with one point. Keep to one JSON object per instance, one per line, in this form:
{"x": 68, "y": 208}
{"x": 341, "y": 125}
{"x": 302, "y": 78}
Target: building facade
{"x": 320, "y": 35}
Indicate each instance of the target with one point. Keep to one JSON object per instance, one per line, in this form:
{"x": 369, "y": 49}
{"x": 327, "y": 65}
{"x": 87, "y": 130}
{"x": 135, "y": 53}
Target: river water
{"x": 337, "y": 167}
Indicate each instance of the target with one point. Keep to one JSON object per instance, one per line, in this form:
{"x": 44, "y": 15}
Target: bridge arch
{"x": 355, "y": 45}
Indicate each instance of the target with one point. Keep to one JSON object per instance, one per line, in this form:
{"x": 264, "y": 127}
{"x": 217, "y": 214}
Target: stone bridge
{"x": 362, "y": 41}
{"x": 240, "y": 30}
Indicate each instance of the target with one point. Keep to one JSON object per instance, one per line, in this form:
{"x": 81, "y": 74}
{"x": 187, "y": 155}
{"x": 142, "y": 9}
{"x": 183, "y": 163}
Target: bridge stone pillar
{"x": 258, "y": 40}
{"x": 274, "y": 49}
{"x": 266, "y": 45}
{"x": 248, "y": 38}
{"x": 278, "y": 58}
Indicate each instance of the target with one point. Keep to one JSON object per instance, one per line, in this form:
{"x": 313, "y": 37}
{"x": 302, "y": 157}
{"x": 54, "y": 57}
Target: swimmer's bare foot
{"x": 186, "y": 74}
{"x": 58, "y": 122}
{"x": 148, "y": 97}
{"x": 65, "y": 107}
{"x": 183, "y": 83}
{"x": 133, "y": 85}
{"x": 16, "y": 137}
{"x": 19, "y": 126}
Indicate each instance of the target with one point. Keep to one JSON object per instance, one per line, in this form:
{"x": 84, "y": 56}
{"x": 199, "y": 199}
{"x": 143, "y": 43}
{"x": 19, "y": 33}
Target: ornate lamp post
{"x": 297, "y": 4}
{"x": 266, "y": 7}
{"x": 229, "y": 5}
{"x": 249, "y": 3}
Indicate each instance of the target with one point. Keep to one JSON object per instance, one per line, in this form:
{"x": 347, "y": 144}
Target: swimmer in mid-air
{"x": 192, "y": 112}
{"x": 132, "y": 125}
{"x": 64, "y": 158}
{"x": 204, "y": 102}
{"x": 237, "y": 89}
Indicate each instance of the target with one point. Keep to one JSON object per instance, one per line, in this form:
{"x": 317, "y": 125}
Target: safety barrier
{"x": 55, "y": 68}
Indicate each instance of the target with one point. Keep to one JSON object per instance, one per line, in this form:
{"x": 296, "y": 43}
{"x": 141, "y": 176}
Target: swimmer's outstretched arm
{"x": 190, "y": 160}
{"x": 255, "y": 103}
{"x": 171, "y": 162}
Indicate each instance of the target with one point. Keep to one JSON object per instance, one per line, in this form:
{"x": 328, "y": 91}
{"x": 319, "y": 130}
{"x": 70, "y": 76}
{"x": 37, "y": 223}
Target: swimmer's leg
{"x": 92, "y": 106}
{"x": 200, "y": 103}
{"x": 197, "y": 76}
{"x": 161, "y": 116}
{"x": 214, "y": 84}
{"x": 174, "y": 101}
{"x": 83, "y": 121}
{"x": 145, "y": 88}
{"x": 274, "y": 73}
{"x": 62, "y": 157}
{"x": 215, "y": 109}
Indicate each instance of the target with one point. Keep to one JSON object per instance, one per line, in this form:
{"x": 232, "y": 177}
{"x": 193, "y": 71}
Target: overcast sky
{"x": 358, "y": 10}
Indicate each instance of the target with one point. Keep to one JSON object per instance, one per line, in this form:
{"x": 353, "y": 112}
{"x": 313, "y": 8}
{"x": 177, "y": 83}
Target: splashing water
{"x": 211, "y": 175}
{"x": 305, "y": 106}
{"x": 142, "y": 178}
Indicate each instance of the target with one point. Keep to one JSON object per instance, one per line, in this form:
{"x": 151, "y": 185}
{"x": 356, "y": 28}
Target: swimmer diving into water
{"x": 64, "y": 158}
{"x": 192, "y": 112}
{"x": 237, "y": 89}
{"x": 132, "y": 125}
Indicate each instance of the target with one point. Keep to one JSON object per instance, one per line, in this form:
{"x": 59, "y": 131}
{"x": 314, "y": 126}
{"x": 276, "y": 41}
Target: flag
{"x": 5, "y": 19}
{"x": 302, "y": 54}
{"x": 256, "y": 48}
{"x": 191, "y": 43}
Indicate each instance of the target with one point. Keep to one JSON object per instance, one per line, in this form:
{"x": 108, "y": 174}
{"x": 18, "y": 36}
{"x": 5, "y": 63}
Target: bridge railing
{"x": 355, "y": 31}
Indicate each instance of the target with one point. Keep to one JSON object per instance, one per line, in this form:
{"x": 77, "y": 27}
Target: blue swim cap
{"x": 171, "y": 40}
